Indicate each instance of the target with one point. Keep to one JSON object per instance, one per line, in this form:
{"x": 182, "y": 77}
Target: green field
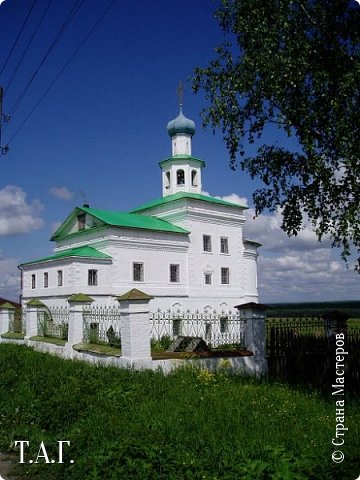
{"x": 351, "y": 308}
{"x": 190, "y": 424}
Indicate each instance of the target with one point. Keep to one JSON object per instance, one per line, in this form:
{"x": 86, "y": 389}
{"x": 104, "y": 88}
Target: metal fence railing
{"x": 224, "y": 329}
{"x": 53, "y": 322}
{"x": 101, "y": 325}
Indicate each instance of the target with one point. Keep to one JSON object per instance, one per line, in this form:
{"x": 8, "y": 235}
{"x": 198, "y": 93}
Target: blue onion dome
{"x": 181, "y": 124}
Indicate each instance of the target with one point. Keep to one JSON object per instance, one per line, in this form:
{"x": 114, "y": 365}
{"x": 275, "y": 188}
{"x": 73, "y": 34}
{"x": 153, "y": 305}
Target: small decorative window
{"x": 167, "y": 180}
{"x": 81, "y": 221}
{"x": 208, "y": 279}
{"x": 92, "y": 277}
{"x": 138, "y": 272}
{"x": 59, "y": 278}
{"x": 194, "y": 177}
{"x": 180, "y": 177}
{"x": 33, "y": 280}
{"x": 225, "y": 276}
{"x": 174, "y": 273}
{"x": 224, "y": 245}
{"x": 46, "y": 279}
{"x": 206, "y": 243}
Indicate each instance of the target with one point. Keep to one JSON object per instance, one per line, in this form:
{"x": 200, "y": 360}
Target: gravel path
{"x": 9, "y": 467}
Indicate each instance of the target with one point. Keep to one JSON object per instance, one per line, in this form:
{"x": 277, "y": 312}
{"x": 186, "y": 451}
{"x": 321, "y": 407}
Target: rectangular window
{"x": 206, "y": 243}
{"x": 224, "y": 245}
{"x": 59, "y": 278}
{"x": 225, "y": 276}
{"x": 92, "y": 277}
{"x": 81, "y": 221}
{"x": 174, "y": 273}
{"x": 208, "y": 279}
{"x": 138, "y": 272}
{"x": 33, "y": 280}
{"x": 46, "y": 279}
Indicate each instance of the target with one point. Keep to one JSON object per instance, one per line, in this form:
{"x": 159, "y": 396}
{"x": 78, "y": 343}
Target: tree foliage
{"x": 294, "y": 63}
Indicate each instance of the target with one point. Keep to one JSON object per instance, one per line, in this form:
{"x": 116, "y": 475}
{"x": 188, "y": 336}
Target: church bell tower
{"x": 182, "y": 171}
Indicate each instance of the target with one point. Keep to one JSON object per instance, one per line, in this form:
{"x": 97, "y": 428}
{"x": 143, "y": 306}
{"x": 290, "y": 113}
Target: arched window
{"x": 167, "y": 180}
{"x": 180, "y": 177}
{"x": 194, "y": 180}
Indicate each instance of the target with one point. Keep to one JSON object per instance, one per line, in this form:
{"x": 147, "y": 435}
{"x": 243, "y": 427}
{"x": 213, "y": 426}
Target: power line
{"x": 18, "y": 36}
{"x": 102, "y": 16}
{"x": 59, "y": 34}
{"x": 28, "y": 46}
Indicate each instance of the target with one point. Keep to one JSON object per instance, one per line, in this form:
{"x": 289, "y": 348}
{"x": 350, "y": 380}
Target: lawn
{"x": 190, "y": 424}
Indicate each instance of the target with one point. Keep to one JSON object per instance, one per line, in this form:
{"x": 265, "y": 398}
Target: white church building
{"x": 185, "y": 249}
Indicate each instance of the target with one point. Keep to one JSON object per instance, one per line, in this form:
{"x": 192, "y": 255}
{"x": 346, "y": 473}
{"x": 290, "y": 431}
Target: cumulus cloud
{"x": 17, "y": 215}
{"x": 9, "y": 278}
{"x": 61, "y": 192}
{"x": 233, "y": 198}
{"x": 292, "y": 269}
{"x": 266, "y": 229}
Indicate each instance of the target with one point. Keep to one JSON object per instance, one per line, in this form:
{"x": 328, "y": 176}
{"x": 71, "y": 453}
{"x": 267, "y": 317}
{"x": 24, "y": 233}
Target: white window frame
{"x": 224, "y": 245}
{"x": 225, "y": 275}
{"x": 46, "y": 279}
{"x": 33, "y": 281}
{"x": 93, "y": 277}
{"x": 174, "y": 268}
{"x": 208, "y": 276}
{"x": 141, "y": 271}
{"x": 207, "y": 243}
{"x": 60, "y": 278}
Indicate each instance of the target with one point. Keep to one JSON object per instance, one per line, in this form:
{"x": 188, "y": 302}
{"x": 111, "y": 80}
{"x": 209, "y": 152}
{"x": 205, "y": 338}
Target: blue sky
{"x": 100, "y": 131}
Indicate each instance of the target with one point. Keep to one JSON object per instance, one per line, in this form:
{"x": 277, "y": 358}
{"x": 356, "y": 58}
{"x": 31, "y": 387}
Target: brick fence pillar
{"x": 76, "y": 324}
{"x": 135, "y": 326}
{"x": 6, "y": 314}
{"x": 255, "y": 333}
{"x": 33, "y": 307}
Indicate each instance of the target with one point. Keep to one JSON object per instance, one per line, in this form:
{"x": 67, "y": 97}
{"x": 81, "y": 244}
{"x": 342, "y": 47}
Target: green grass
{"x": 191, "y": 424}
{"x": 13, "y": 335}
{"x": 54, "y": 340}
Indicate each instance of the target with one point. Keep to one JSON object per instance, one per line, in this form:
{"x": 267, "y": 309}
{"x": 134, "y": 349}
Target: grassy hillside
{"x": 351, "y": 308}
{"x": 191, "y": 424}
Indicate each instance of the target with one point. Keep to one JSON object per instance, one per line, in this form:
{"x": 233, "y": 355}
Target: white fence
{"x": 131, "y": 329}
{"x": 223, "y": 329}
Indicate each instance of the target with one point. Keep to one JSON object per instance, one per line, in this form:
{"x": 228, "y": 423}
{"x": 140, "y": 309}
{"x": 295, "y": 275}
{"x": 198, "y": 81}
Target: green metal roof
{"x": 181, "y": 124}
{"x": 82, "y": 252}
{"x": 120, "y": 219}
{"x": 181, "y": 195}
{"x": 180, "y": 158}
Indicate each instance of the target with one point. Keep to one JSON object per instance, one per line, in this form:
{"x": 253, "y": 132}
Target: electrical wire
{"x": 59, "y": 34}
{"x": 102, "y": 16}
{"x": 18, "y": 36}
{"x": 28, "y": 45}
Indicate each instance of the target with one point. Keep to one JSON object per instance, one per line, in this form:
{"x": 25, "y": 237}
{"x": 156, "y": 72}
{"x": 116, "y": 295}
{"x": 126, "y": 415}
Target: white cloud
{"x": 61, "y": 192}
{"x": 292, "y": 269}
{"x": 17, "y": 216}
{"x": 233, "y": 198}
{"x": 266, "y": 229}
{"x": 9, "y": 278}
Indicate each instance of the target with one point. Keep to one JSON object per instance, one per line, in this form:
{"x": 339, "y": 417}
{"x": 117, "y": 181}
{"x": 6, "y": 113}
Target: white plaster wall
{"x": 157, "y": 250}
